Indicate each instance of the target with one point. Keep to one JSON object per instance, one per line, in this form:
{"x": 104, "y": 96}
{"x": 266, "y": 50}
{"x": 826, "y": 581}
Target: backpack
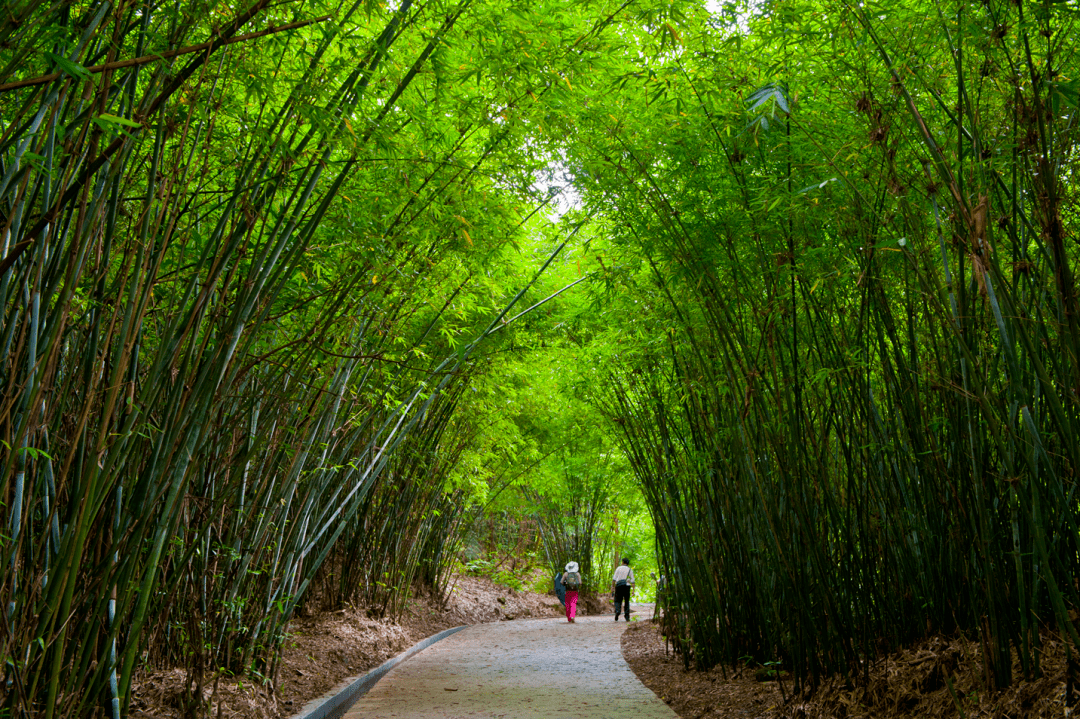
{"x": 572, "y": 581}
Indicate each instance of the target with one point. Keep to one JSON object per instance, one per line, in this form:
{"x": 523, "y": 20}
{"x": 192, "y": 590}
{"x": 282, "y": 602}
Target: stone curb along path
{"x": 524, "y": 669}
{"x": 335, "y": 703}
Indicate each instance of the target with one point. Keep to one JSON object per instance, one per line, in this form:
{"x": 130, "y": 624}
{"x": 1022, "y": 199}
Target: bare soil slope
{"x": 908, "y": 685}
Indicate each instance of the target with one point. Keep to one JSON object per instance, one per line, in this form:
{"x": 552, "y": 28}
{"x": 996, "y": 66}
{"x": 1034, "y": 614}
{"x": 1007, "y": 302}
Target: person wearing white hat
{"x": 572, "y": 581}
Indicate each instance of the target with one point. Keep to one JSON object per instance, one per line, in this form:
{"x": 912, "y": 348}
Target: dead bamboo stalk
{"x": 146, "y": 59}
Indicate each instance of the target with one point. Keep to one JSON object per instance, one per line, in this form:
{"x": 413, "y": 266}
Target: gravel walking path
{"x": 523, "y": 669}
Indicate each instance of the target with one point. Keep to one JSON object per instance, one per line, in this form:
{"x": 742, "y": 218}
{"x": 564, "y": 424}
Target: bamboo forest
{"x": 313, "y": 304}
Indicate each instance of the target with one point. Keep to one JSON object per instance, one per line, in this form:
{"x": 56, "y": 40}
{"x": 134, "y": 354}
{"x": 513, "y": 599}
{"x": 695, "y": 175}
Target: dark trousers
{"x": 622, "y": 600}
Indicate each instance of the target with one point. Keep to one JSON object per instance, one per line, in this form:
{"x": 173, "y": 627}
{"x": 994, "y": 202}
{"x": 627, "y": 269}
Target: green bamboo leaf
{"x": 115, "y": 120}
{"x": 115, "y": 125}
{"x": 68, "y": 67}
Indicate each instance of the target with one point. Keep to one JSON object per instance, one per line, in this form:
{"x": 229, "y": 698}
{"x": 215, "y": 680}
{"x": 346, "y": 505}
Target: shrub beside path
{"x": 525, "y": 669}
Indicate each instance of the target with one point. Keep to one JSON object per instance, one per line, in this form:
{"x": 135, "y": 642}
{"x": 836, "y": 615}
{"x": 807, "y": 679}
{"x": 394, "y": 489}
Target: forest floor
{"x": 910, "y": 684}
{"x": 325, "y": 649}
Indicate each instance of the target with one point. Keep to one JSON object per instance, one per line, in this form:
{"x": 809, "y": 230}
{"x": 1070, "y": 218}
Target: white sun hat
{"x": 571, "y": 566}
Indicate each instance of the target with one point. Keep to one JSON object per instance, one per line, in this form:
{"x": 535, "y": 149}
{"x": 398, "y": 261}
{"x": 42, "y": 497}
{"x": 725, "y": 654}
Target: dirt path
{"x": 540, "y": 668}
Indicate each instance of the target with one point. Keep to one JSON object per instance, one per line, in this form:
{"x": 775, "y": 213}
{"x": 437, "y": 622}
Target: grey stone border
{"x": 336, "y": 706}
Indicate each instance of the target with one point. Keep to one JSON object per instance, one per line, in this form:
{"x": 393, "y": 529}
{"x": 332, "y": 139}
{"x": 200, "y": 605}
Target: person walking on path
{"x": 525, "y": 669}
{"x": 572, "y": 581}
{"x": 622, "y": 582}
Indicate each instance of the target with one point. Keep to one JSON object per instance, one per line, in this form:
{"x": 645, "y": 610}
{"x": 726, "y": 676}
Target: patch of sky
{"x": 556, "y": 182}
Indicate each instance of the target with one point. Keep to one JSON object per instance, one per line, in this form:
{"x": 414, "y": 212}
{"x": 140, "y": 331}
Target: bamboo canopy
{"x": 272, "y": 276}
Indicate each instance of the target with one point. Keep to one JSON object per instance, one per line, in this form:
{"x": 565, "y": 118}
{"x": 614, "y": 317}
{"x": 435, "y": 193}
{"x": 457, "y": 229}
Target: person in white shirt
{"x": 622, "y": 582}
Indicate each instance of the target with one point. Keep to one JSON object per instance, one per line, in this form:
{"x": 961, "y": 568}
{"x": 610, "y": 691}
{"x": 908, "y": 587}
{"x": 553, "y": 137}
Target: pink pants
{"x": 571, "y": 604}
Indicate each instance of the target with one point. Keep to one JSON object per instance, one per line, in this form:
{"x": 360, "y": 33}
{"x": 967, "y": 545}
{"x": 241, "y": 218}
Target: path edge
{"x": 334, "y": 707}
